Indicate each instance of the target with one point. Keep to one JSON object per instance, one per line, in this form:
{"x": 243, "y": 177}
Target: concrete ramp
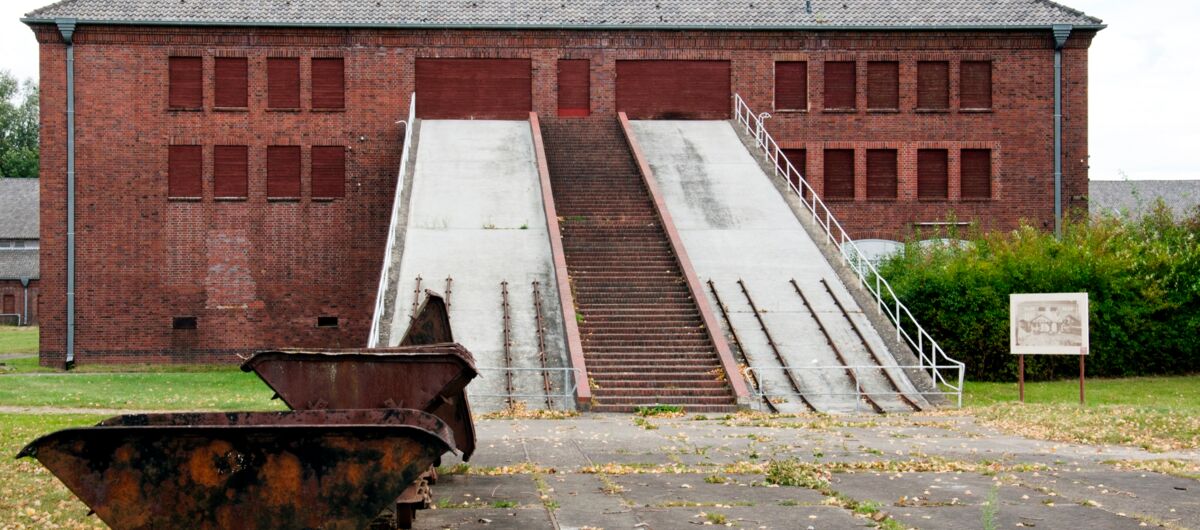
{"x": 807, "y": 341}
{"x": 476, "y": 232}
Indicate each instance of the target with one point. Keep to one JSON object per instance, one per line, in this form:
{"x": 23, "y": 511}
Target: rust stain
{"x": 283, "y": 472}
{"x": 202, "y": 465}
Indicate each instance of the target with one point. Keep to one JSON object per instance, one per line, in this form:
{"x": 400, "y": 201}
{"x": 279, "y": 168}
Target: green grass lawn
{"x": 18, "y": 340}
{"x": 223, "y": 388}
{"x": 30, "y": 497}
{"x": 1154, "y": 413}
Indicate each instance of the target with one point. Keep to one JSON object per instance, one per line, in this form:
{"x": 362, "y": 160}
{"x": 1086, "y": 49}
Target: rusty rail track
{"x": 775, "y": 348}
{"x": 837, "y": 352}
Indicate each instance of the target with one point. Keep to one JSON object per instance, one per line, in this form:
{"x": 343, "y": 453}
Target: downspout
{"x": 1061, "y": 32}
{"x": 25, "y": 297}
{"x": 66, "y": 27}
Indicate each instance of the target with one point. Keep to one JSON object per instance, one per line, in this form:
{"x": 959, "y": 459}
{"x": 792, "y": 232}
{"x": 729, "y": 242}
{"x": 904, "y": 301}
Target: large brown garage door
{"x": 674, "y": 89}
{"x": 474, "y": 88}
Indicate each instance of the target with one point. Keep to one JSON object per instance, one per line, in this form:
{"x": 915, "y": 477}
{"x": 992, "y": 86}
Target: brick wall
{"x": 257, "y": 273}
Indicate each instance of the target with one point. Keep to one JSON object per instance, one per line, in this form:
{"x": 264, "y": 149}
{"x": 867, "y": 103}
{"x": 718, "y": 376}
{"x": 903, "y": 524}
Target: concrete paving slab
{"x": 583, "y": 502}
{"x": 758, "y": 517}
{"x": 1012, "y": 516}
{"x": 673, "y": 489}
{"x": 482, "y": 491}
{"x": 484, "y": 518}
{"x": 1162, "y": 497}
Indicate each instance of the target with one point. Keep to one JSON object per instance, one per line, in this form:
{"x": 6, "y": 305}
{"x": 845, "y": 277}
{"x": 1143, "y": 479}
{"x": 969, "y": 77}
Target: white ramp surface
{"x": 736, "y": 226}
{"x": 476, "y": 216}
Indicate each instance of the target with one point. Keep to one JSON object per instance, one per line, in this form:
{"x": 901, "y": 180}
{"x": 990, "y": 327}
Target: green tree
{"x": 18, "y": 127}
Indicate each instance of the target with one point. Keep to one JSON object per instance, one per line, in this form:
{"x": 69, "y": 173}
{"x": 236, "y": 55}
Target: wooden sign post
{"x": 1048, "y": 324}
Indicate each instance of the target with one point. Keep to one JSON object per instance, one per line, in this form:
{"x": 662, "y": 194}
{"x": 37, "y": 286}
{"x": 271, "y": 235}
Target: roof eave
{"x": 572, "y": 27}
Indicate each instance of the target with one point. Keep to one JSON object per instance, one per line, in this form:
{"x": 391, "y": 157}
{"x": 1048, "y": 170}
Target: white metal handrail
{"x": 385, "y": 271}
{"x": 566, "y": 395}
{"x": 929, "y": 355}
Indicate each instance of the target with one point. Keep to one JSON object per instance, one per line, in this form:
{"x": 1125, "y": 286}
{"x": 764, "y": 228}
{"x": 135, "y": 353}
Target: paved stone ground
{"x": 605, "y": 471}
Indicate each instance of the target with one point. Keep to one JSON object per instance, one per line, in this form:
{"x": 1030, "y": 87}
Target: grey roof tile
{"x": 1133, "y": 198}
{"x": 19, "y": 264}
{"x": 743, "y": 14}
{"x": 18, "y": 208}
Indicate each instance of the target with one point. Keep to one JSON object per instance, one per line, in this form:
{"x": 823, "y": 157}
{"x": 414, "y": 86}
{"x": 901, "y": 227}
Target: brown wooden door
{"x": 10, "y": 304}
{"x": 696, "y": 90}
{"x": 474, "y": 89}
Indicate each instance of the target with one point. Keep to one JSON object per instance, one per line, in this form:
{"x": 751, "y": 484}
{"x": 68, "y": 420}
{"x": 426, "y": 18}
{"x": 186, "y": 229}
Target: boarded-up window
{"x": 10, "y": 304}
{"x": 283, "y": 171}
{"x": 933, "y": 174}
{"x": 883, "y": 85}
{"x": 933, "y": 85}
{"x": 839, "y": 173}
{"x": 574, "y": 87}
{"x": 840, "y": 82}
{"x": 229, "y": 171}
{"x": 799, "y": 160}
{"x": 976, "y": 174}
{"x": 232, "y": 82}
{"x": 184, "y": 166}
{"x": 328, "y": 83}
{"x": 283, "y": 83}
{"x": 185, "y": 88}
{"x": 791, "y": 85}
{"x": 881, "y": 174}
{"x": 328, "y": 171}
{"x": 975, "y": 85}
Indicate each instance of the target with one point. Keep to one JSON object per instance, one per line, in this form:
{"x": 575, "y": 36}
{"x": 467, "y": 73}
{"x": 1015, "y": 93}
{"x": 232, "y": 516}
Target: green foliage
{"x": 1142, "y": 279}
{"x": 660, "y": 410}
{"x": 18, "y": 127}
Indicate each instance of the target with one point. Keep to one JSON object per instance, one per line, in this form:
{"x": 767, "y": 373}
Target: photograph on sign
{"x": 1048, "y": 324}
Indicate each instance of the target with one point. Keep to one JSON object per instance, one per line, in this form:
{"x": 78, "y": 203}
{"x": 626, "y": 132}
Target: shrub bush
{"x": 1142, "y": 278}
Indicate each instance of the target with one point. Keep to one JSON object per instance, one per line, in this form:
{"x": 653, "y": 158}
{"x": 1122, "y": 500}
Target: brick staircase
{"x": 643, "y": 337}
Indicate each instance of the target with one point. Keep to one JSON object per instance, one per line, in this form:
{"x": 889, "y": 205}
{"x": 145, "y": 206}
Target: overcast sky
{"x": 1144, "y": 77}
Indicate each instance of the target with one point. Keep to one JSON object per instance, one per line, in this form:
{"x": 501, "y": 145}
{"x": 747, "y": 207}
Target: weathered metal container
{"x": 329, "y": 469}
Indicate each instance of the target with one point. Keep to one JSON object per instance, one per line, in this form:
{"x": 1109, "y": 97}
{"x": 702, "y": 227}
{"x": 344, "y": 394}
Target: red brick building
{"x": 234, "y": 163}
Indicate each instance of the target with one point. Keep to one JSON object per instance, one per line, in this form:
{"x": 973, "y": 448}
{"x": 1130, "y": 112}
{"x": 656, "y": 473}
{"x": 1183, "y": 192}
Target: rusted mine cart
{"x": 427, "y": 373}
{"x": 367, "y": 429}
{"x": 329, "y": 469}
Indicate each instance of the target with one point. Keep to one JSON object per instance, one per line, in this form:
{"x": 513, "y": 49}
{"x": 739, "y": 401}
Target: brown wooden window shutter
{"x": 976, "y": 174}
{"x": 840, "y": 81}
{"x": 283, "y": 83}
{"x": 283, "y": 171}
{"x": 791, "y": 85}
{"x": 799, "y": 160}
{"x": 975, "y": 85}
{"x": 328, "y": 171}
{"x": 933, "y": 85}
{"x": 328, "y": 83}
{"x": 185, "y": 164}
{"x": 883, "y": 85}
{"x": 230, "y": 171}
{"x": 881, "y": 174}
{"x": 185, "y": 88}
{"x": 574, "y": 87}
{"x": 232, "y": 83}
{"x": 839, "y": 173}
{"x": 933, "y": 178}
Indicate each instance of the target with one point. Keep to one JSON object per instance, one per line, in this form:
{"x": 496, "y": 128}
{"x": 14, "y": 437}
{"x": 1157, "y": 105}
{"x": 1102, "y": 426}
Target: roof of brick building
{"x": 666, "y": 14}
{"x": 1134, "y": 198}
{"x": 18, "y": 208}
{"x": 19, "y": 264}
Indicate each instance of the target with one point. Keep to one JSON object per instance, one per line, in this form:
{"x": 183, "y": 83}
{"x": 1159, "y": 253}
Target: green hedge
{"x": 1142, "y": 279}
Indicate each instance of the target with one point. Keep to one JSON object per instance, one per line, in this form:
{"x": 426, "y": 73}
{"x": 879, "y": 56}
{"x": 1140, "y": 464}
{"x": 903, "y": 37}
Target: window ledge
{"x": 883, "y": 111}
{"x": 791, "y": 111}
{"x": 883, "y": 199}
{"x": 932, "y": 111}
{"x": 185, "y": 109}
{"x": 185, "y": 199}
{"x": 975, "y": 111}
{"x": 285, "y": 110}
{"x": 976, "y": 199}
{"x": 231, "y": 199}
{"x": 840, "y": 111}
{"x": 329, "y": 110}
{"x": 933, "y": 199}
{"x": 231, "y": 109}
{"x": 838, "y": 199}
{"x": 284, "y": 199}
{"x": 325, "y": 199}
